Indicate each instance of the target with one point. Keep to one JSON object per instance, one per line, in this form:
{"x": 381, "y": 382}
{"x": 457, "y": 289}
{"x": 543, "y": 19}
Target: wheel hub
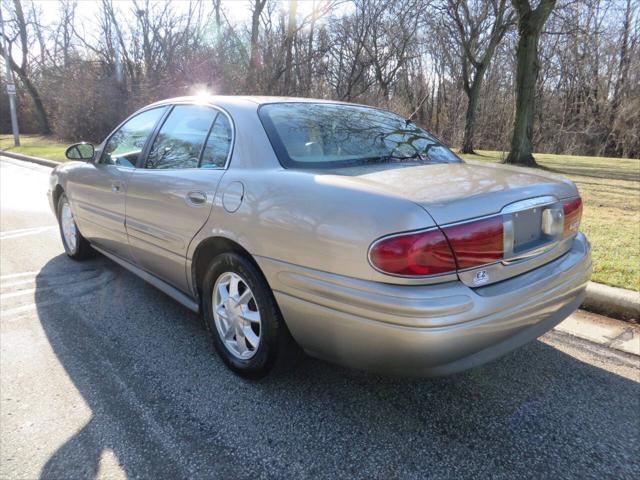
{"x": 236, "y": 315}
{"x": 68, "y": 227}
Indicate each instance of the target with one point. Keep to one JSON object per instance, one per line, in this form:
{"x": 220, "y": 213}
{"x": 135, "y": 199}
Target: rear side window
{"x": 181, "y": 138}
{"x": 218, "y": 144}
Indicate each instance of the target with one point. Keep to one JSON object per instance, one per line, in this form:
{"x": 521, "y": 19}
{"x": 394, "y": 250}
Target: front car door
{"x": 99, "y": 189}
{"x": 170, "y": 198}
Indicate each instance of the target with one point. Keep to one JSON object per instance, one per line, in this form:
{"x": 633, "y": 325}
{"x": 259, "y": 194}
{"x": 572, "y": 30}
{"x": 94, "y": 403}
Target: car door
{"x": 170, "y": 198}
{"x": 98, "y": 191}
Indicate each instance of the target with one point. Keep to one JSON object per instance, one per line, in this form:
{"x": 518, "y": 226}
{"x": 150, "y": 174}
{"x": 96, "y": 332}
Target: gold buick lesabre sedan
{"x": 343, "y": 230}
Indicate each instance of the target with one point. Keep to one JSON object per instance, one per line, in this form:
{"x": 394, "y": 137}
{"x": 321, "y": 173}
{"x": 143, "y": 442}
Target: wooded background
{"x": 470, "y": 71}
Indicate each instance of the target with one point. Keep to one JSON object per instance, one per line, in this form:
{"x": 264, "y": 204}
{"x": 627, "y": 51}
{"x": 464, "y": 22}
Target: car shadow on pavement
{"x": 167, "y": 407}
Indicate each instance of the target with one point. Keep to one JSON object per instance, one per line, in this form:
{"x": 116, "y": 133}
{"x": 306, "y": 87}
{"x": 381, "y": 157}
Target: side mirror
{"x": 80, "y": 151}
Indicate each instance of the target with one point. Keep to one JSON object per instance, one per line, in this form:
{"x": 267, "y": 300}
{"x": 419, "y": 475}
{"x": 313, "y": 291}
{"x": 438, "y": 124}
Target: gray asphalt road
{"x": 102, "y": 376}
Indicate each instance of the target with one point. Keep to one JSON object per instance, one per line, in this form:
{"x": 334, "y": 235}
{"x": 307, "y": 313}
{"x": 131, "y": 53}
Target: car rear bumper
{"x": 425, "y": 330}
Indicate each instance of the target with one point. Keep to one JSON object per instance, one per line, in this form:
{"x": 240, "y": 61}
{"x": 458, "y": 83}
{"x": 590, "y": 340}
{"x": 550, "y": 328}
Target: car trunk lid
{"x": 528, "y": 203}
{"x": 461, "y": 191}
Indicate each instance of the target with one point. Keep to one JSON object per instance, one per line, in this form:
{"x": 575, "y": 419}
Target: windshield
{"x": 326, "y": 135}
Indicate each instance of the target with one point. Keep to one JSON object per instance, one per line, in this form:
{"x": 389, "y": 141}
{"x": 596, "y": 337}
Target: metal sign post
{"x": 11, "y": 87}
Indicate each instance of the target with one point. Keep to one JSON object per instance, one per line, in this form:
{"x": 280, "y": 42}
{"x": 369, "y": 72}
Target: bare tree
{"x": 291, "y": 32}
{"x": 22, "y": 69}
{"x": 347, "y": 60}
{"x": 621, "y": 80}
{"x": 217, "y": 4}
{"x": 254, "y": 60}
{"x": 449, "y": 63}
{"x": 392, "y": 34}
{"x": 478, "y": 28}
{"x": 530, "y": 24}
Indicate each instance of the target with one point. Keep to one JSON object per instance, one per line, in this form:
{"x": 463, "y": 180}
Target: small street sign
{"x": 11, "y": 88}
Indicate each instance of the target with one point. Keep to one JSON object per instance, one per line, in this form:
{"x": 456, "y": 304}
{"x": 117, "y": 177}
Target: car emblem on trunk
{"x": 480, "y": 277}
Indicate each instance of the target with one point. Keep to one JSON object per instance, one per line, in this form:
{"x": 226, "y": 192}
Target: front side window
{"x": 181, "y": 137}
{"x": 329, "y": 135}
{"x": 125, "y": 145}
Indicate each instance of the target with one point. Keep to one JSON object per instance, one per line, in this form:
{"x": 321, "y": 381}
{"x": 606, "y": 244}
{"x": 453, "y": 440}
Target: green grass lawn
{"x": 36, "y": 146}
{"x": 610, "y": 189}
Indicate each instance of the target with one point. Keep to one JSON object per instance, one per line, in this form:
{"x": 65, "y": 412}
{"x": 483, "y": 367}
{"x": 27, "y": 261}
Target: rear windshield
{"x": 327, "y": 135}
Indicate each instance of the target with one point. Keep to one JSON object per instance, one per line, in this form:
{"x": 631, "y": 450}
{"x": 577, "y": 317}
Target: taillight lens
{"x": 438, "y": 251}
{"x": 476, "y": 243}
{"x": 415, "y": 254}
{"x": 572, "y": 216}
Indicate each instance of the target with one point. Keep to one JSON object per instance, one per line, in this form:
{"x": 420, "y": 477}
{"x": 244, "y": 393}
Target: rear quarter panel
{"x": 298, "y": 217}
{"x": 309, "y": 220}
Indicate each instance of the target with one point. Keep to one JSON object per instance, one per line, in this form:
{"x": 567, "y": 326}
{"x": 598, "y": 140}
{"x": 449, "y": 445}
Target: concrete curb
{"x": 612, "y": 302}
{"x": 602, "y": 299}
{"x": 617, "y": 334}
{"x": 27, "y": 158}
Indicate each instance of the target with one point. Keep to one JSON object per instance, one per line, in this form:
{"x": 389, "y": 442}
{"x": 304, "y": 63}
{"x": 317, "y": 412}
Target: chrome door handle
{"x": 116, "y": 187}
{"x": 196, "y": 198}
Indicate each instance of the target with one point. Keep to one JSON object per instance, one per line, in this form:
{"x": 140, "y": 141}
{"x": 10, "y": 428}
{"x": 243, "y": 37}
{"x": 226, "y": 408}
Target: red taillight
{"x": 572, "y": 215}
{"x": 437, "y": 251}
{"x": 476, "y": 243}
{"x": 415, "y": 254}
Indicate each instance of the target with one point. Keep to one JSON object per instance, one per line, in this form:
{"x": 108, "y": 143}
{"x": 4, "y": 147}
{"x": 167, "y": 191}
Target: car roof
{"x": 240, "y": 100}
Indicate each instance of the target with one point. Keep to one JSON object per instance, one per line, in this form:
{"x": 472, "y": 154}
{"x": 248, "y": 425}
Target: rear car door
{"x": 170, "y": 198}
{"x": 98, "y": 193}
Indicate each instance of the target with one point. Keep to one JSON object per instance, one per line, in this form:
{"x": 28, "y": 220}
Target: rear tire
{"x": 243, "y": 319}
{"x": 75, "y": 245}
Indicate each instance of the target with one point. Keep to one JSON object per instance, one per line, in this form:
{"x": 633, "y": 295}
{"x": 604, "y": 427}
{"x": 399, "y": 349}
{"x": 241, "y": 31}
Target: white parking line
{"x": 21, "y": 230}
{"x": 4, "y": 296}
{"x": 22, "y": 233}
{"x": 15, "y": 284}
{"x": 18, "y": 275}
{"x": 23, "y": 308}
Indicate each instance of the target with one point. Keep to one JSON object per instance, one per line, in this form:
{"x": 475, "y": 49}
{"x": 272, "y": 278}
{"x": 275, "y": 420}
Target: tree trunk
{"x": 611, "y": 148}
{"x": 291, "y": 30}
{"x": 41, "y": 114}
{"x": 216, "y": 7}
{"x": 530, "y": 23}
{"x": 526, "y": 76}
{"x": 309, "y": 63}
{"x": 472, "y": 26}
{"x": 255, "y": 30}
{"x": 473, "y": 94}
{"x": 22, "y": 70}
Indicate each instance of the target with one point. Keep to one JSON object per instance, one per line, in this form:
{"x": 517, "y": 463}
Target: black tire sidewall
{"x": 271, "y": 324}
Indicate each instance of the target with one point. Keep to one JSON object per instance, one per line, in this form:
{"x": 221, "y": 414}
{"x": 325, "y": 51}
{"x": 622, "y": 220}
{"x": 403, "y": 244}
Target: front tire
{"x": 75, "y": 245}
{"x": 242, "y": 316}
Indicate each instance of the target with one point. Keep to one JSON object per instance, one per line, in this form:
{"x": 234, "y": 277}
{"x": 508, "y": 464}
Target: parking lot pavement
{"x": 102, "y": 376}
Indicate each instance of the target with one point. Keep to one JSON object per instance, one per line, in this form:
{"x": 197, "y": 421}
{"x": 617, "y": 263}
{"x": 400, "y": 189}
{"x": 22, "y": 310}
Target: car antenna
{"x": 410, "y": 119}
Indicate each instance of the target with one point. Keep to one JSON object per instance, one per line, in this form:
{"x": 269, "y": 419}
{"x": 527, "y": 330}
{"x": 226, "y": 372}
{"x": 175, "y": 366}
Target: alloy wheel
{"x": 236, "y": 315}
{"x": 68, "y": 227}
